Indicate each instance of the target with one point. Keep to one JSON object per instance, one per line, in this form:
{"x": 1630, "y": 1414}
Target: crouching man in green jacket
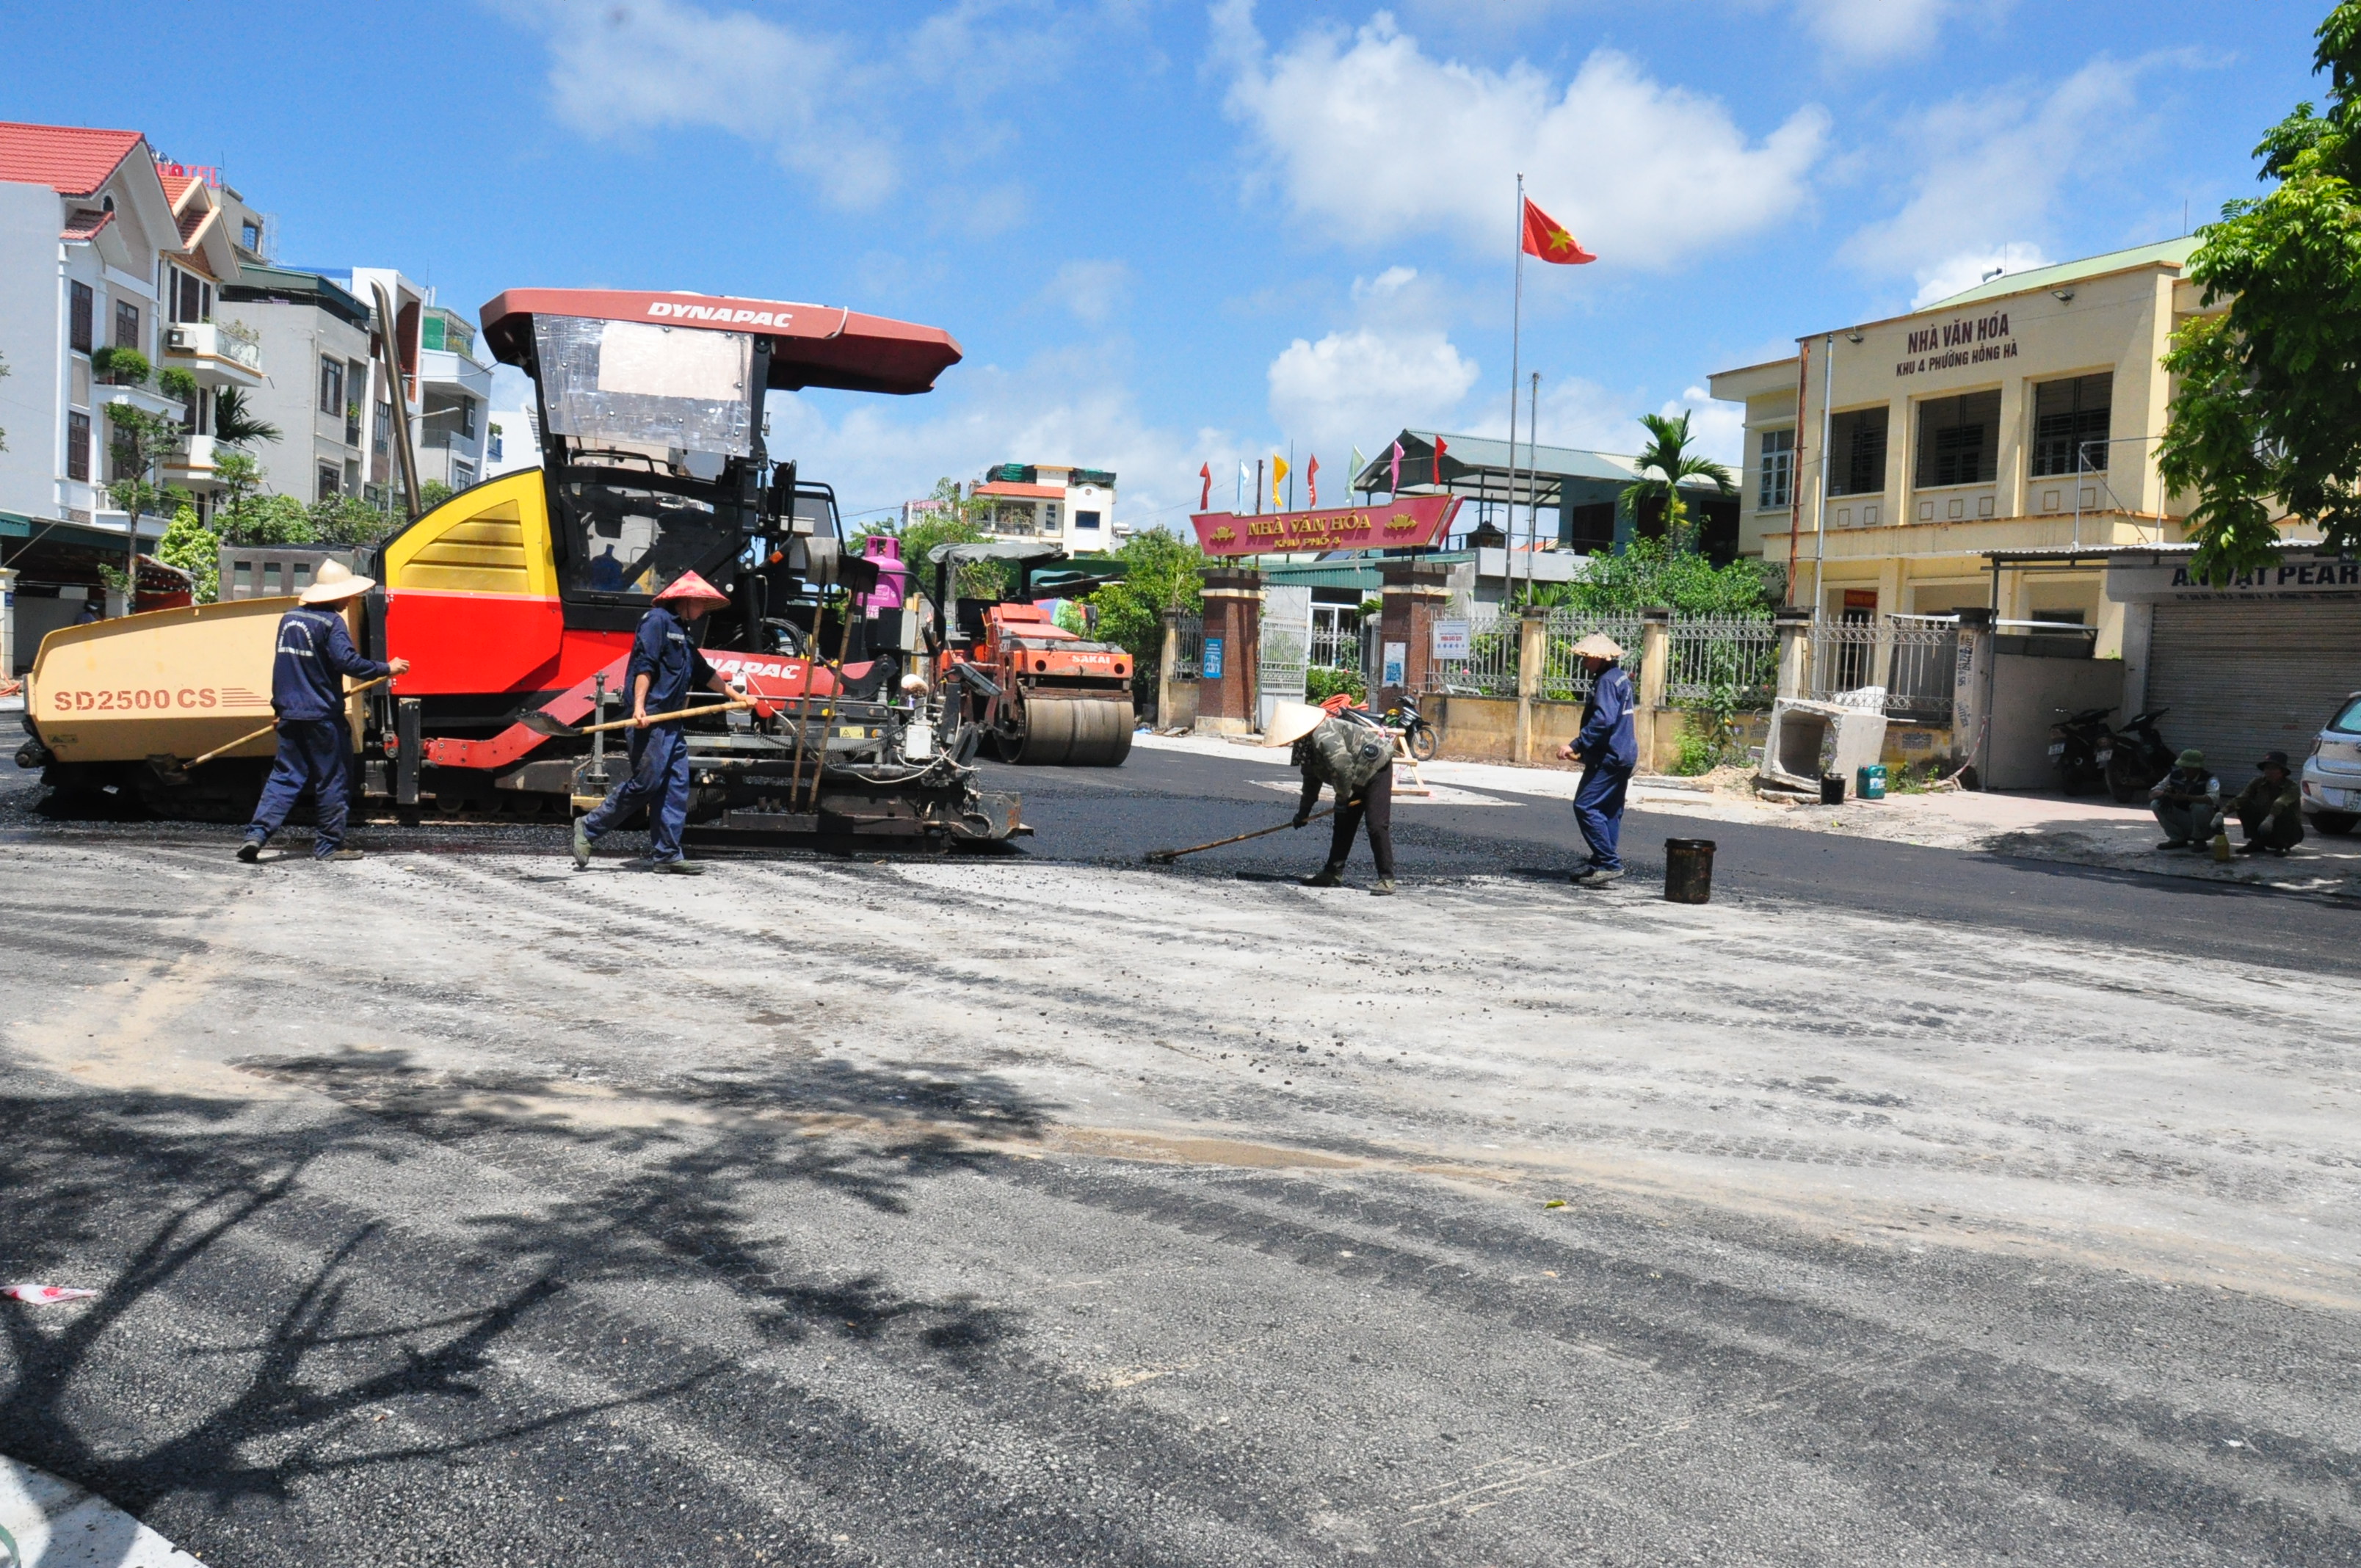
{"x": 2271, "y": 809}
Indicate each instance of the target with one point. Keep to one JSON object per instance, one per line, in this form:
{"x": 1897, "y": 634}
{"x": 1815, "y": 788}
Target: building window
{"x": 192, "y": 300}
{"x": 79, "y": 308}
{"x": 1778, "y": 468}
{"x": 331, "y": 481}
{"x": 461, "y": 476}
{"x": 2069, "y": 425}
{"x": 1959, "y": 440}
{"x": 468, "y": 418}
{"x": 1088, "y": 519}
{"x": 383, "y": 436}
{"x": 127, "y": 324}
{"x": 78, "y": 446}
{"x": 1857, "y": 453}
{"x": 250, "y": 236}
{"x": 332, "y": 386}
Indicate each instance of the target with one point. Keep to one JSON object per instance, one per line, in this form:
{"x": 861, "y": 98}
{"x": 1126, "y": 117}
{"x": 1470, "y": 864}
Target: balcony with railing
{"x": 440, "y": 368}
{"x": 218, "y": 353}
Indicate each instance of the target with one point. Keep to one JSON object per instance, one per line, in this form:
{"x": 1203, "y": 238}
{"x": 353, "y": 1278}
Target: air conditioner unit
{"x": 178, "y": 337}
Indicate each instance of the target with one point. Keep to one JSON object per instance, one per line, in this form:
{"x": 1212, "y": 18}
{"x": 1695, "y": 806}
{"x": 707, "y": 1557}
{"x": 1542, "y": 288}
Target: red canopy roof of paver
{"x": 811, "y": 345}
{"x": 71, "y": 159}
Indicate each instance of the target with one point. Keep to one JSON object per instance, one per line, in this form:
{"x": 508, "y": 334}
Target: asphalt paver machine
{"x": 523, "y": 594}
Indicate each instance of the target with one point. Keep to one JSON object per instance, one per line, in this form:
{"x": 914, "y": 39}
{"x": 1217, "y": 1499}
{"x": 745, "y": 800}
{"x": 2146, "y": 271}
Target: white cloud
{"x": 1375, "y": 139}
{"x": 1365, "y": 384}
{"x": 1393, "y": 280}
{"x": 1884, "y": 29}
{"x": 628, "y": 67}
{"x": 1092, "y": 290}
{"x": 1995, "y": 168}
{"x": 1956, "y": 274}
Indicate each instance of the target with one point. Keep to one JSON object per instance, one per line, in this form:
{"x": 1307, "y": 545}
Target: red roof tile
{"x": 71, "y": 159}
{"x": 175, "y": 186}
{"x": 85, "y": 222}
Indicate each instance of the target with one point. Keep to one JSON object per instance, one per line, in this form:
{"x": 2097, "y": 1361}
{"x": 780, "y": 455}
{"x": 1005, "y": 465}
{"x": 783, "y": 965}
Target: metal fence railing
{"x": 1192, "y": 657}
{"x": 1902, "y": 663}
{"x": 1563, "y": 677}
{"x": 1722, "y": 654}
{"x": 1491, "y": 667}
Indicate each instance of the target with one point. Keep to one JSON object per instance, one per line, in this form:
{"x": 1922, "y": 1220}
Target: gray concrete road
{"x": 457, "y": 1208}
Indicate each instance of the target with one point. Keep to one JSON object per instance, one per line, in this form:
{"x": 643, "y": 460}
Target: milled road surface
{"x": 457, "y": 1208}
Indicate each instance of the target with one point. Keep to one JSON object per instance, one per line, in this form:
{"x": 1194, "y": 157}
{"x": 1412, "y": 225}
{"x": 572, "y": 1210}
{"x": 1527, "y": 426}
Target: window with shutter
{"x": 127, "y": 324}
{"x": 80, "y": 306}
{"x": 78, "y": 446}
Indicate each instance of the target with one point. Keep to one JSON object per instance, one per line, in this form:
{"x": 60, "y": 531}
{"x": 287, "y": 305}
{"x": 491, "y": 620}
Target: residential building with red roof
{"x": 90, "y": 240}
{"x": 1057, "y": 502}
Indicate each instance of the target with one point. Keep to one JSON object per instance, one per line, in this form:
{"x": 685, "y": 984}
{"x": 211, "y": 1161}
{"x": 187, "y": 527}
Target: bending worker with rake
{"x": 1356, "y": 759}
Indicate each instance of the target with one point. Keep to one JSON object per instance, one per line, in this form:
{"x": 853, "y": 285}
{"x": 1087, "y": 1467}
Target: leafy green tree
{"x": 189, "y": 544}
{"x": 240, "y": 477}
{"x": 349, "y": 520}
{"x": 433, "y": 494}
{"x": 1655, "y": 572}
{"x": 961, "y": 522}
{"x": 1161, "y": 572}
{"x": 1665, "y": 463}
{"x": 2268, "y": 409}
{"x": 269, "y": 519}
{"x": 140, "y": 440}
{"x": 235, "y": 425}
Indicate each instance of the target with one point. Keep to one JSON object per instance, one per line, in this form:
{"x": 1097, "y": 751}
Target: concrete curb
{"x": 59, "y": 1525}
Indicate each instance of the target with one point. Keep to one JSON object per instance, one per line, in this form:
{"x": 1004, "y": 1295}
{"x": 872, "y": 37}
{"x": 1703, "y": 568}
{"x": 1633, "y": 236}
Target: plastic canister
{"x": 1688, "y": 871}
{"x": 1869, "y": 782}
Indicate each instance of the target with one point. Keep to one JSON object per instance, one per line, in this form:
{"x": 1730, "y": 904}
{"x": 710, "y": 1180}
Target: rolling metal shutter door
{"x": 2244, "y": 679}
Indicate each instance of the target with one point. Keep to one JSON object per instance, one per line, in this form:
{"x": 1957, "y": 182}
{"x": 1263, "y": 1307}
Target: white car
{"x": 2332, "y": 775}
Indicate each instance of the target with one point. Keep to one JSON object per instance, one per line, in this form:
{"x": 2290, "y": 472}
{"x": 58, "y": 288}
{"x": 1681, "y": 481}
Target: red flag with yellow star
{"x": 1547, "y": 238}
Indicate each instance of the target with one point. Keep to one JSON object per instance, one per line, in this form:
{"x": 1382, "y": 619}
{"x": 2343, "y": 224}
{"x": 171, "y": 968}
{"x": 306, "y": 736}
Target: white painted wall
{"x": 32, "y": 335}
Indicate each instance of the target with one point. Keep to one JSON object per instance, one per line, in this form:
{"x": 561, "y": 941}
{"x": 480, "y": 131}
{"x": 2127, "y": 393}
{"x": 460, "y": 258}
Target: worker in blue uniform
{"x": 665, "y": 667}
{"x": 315, "y": 654}
{"x": 1608, "y": 750}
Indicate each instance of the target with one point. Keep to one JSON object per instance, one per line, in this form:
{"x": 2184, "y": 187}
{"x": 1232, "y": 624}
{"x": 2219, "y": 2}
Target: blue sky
{"x": 1170, "y": 234}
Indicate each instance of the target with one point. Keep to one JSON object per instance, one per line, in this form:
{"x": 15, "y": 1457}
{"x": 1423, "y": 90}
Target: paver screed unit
{"x": 522, "y": 593}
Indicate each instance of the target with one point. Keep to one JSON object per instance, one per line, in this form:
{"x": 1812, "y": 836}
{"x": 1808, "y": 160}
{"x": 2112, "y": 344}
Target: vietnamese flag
{"x": 1547, "y": 238}
{"x": 1440, "y": 448}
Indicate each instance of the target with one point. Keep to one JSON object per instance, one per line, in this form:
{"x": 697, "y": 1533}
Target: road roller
{"x": 1039, "y": 693}
{"x": 516, "y": 600}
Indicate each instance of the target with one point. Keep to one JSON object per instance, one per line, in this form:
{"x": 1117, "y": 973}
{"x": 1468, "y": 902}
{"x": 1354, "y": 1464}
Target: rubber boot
{"x": 1326, "y": 876}
{"x": 581, "y": 843}
{"x": 680, "y": 868}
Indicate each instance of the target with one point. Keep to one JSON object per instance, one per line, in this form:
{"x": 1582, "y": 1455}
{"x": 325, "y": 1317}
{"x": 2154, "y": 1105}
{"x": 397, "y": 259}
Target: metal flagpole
{"x": 1516, "y": 345}
{"x": 1820, "y": 527}
{"x": 1532, "y": 484}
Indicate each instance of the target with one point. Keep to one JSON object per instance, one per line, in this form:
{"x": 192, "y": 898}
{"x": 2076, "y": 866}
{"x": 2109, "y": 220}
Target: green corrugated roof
{"x": 2175, "y": 251}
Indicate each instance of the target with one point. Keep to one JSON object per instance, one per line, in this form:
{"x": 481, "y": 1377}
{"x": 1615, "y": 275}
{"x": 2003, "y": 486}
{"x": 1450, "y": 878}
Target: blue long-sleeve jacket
{"x": 314, "y": 649}
{"x": 1606, "y": 735}
{"x": 664, "y": 653}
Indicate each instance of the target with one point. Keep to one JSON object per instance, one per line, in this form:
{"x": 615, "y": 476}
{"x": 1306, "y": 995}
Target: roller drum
{"x": 1048, "y": 738}
{"x": 1077, "y": 732}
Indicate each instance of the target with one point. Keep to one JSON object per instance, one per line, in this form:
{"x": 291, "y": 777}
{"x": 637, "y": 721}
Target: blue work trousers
{"x": 1598, "y": 811}
{"x": 314, "y": 754}
{"x": 659, "y": 781}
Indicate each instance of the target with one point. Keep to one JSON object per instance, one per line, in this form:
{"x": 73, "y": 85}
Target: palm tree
{"x": 1668, "y": 459}
{"x": 235, "y": 427}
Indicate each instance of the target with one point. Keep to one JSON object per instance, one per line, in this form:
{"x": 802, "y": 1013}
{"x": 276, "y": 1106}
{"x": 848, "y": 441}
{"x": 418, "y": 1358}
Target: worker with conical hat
{"x": 1608, "y": 750}
{"x": 1348, "y": 751}
{"x": 665, "y": 667}
{"x": 315, "y": 656}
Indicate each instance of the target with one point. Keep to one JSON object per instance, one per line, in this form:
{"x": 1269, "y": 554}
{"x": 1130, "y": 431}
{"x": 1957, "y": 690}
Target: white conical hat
{"x": 1291, "y": 722}
{"x": 335, "y": 583}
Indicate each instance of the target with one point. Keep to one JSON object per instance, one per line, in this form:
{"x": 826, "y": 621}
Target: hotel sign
{"x": 1963, "y": 340}
{"x": 1406, "y": 520}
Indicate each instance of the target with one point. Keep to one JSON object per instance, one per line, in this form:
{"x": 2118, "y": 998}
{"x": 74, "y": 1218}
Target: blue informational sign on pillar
{"x": 1212, "y": 658}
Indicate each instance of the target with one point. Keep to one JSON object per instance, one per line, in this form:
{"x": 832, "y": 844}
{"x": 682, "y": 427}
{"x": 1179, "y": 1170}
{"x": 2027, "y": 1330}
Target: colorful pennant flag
{"x": 1206, "y": 495}
{"x": 1393, "y": 486}
{"x": 1440, "y": 448}
{"x": 1278, "y": 477}
{"x": 1311, "y": 481}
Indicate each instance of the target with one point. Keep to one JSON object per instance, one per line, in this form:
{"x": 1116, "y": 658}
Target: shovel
{"x": 1166, "y": 857}
{"x": 173, "y": 771}
{"x": 541, "y": 723}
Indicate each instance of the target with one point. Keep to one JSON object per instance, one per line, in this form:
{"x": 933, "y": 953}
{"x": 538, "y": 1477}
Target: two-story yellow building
{"x": 2021, "y": 415}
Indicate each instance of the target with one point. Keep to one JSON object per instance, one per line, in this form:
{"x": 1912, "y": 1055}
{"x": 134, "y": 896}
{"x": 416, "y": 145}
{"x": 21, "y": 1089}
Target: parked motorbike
{"x": 2081, "y": 747}
{"x": 1420, "y": 736}
{"x": 2140, "y": 758}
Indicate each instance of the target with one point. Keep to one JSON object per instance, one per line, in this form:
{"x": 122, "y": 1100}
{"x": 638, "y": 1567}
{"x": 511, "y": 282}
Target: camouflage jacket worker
{"x": 1343, "y": 753}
